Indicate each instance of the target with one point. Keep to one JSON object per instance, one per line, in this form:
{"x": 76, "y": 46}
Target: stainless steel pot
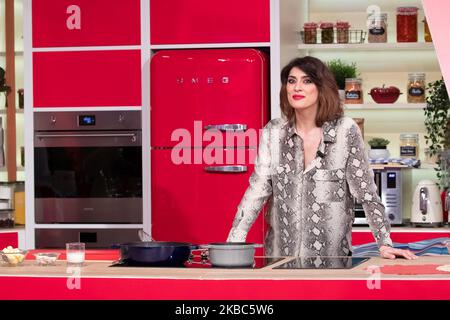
{"x": 231, "y": 254}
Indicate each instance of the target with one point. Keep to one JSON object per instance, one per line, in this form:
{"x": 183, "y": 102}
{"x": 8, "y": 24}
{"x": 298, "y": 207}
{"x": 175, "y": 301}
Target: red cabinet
{"x": 74, "y": 23}
{"x": 87, "y": 78}
{"x": 205, "y": 21}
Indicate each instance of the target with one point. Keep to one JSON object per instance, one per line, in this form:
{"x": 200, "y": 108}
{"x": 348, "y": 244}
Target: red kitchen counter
{"x": 96, "y": 280}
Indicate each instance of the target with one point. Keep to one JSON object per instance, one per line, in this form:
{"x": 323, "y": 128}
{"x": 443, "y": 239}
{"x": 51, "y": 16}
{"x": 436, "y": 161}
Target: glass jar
{"x": 416, "y": 88}
{"x": 377, "y": 23}
{"x": 407, "y": 24}
{"x": 310, "y": 32}
{"x": 353, "y": 91}
{"x": 327, "y": 32}
{"x": 6, "y": 218}
{"x": 409, "y": 145}
{"x": 426, "y": 31}
{"x": 342, "y": 31}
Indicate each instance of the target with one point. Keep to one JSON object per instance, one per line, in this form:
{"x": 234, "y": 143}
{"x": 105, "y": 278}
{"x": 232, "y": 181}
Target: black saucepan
{"x": 156, "y": 253}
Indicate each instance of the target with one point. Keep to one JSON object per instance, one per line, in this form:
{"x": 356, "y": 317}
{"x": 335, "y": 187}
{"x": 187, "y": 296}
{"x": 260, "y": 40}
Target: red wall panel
{"x": 206, "y": 21}
{"x": 102, "y": 22}
{"x": 87, "y": 78}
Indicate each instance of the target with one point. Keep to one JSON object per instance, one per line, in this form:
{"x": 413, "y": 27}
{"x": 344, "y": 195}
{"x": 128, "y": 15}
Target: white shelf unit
{"x": 379, "y": 64}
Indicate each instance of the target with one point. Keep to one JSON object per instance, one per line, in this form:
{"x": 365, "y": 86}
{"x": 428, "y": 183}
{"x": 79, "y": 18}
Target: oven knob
{"x": 121, "y": 118}
{"x": 52, "y": 119}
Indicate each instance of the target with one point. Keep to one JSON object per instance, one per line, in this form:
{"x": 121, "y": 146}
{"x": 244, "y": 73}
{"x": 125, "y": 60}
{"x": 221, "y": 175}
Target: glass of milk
{"x": 75, "y": 252}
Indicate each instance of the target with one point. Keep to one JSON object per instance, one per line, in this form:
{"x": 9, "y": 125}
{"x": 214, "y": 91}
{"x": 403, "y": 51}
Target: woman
{"x": 311, "y": 164}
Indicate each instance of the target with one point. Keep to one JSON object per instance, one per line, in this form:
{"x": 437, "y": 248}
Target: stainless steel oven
{"x": 88, "y": 167}
{"x": 389, "y": 187}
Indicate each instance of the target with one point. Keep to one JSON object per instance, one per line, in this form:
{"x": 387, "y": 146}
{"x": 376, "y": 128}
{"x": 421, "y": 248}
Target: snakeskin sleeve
{"x": 257, "y": 193}
{"x": 360, "y": 179}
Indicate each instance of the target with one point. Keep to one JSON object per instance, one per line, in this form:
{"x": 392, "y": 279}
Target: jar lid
{"x": 359, "y": 80}
{"x": 342, "y": 25}
{"x": 326, "y": 25}
{"x": 310, "y": 25}
{"x": 407, "y": 10}
{"x": 416, "y": 75}
{"x": 377, "y": 16}
{"x": 409, "y": 136}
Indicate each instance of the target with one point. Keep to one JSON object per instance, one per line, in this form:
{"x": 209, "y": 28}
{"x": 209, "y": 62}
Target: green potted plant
{"x": 378, "y": 148}
{"x": 341, "y": 71}
{"x": 437, "y": 125}
{"x": 3, "y": 87}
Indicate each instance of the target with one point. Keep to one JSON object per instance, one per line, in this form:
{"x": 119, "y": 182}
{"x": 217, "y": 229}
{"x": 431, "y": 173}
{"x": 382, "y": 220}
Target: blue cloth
{"x": 410, "y": 162}
{"x": 432, "y": 247}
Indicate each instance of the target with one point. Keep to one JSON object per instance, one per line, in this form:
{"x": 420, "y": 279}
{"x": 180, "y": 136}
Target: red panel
{"x": 87, "y": 78}
{"x": 102, "y": 22}
{"x": 22, "y": 288}
{"x": 401, "y": 237}
{"x": 191, "y": 205}
{"x": 205, "y": 21}
{"x": 191, "y": 89}
{"x": 9, "y": 239}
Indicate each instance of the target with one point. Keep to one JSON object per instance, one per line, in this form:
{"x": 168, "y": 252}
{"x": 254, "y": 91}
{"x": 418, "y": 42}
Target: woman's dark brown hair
{"x": 329, "y": 104}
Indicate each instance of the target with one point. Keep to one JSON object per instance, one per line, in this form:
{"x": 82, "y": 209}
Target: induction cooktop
{"x": 322, "y": 263}
{"x": 259, "y": 262}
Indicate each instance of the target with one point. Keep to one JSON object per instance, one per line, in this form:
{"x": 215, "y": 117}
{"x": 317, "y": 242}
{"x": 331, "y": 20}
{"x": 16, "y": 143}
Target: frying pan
{"x": 156, "y": 253}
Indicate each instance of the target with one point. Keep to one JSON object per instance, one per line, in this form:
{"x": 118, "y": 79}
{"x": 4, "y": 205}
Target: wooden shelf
{"x": 385, "y": 106}
{"x": 384, "y": 46}
{"x": 18, "y": 111}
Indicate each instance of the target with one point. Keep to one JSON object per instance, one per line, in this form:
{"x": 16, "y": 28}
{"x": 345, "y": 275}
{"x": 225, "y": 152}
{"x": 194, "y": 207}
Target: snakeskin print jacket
{"x": 311, "y": 209}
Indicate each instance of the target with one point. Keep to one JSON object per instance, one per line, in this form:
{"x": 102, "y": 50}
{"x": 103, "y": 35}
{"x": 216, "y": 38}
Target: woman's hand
{"x": 390, "y": 253}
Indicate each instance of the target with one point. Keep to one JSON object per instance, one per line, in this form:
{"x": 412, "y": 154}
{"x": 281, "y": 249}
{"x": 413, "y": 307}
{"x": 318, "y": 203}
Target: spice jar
{"x": 426, "y": 31}
{"x": 342, "y": 31}
{"x": 310, "y": 32}
{"x": 377, "y": 27}
{"x": 407, "y": 24}
{"x": 353, "y": 91}
{"x": 416, "y": 88}
{"x": 327, "y": 32}
{"x": 409, "y": 145}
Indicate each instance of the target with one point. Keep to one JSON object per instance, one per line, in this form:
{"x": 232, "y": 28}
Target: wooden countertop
{"x": 101, "y": 269}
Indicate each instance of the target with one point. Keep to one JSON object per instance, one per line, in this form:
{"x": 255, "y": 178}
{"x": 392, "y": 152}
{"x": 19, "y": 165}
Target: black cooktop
{"x": 259, "y": 262}
{"x": 322, "y": 263}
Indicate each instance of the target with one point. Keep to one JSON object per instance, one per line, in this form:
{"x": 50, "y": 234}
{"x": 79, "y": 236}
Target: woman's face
{"x": 302, "y": 93}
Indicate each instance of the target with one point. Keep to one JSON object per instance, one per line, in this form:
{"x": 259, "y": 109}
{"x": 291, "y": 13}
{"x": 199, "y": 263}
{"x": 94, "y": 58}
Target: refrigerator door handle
{"x": 227, "y": 127}
{"x": 226, "y": 169}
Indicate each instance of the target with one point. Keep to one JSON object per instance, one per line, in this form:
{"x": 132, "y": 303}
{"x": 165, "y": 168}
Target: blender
{"x": 445, "y": 180}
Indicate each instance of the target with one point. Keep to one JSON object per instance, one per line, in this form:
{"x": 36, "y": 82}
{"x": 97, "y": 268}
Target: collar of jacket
{"x": 328, "y": 128}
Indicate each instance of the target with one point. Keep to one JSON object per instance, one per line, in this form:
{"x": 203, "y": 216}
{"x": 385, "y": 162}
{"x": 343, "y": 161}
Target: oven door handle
{"x": 226, "y": 169}
{"x": 88, "y": 135}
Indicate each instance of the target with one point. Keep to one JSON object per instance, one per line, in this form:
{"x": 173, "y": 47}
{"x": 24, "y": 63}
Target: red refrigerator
{"x": 207, "y": 109}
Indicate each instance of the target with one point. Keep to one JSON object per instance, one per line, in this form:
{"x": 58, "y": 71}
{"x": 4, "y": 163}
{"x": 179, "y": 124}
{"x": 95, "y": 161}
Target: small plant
{"x": 342, "y": 70}
{"x": 3, "y": 87}
{"x": 437, "y": 124}
{"x": 378, "y": 143}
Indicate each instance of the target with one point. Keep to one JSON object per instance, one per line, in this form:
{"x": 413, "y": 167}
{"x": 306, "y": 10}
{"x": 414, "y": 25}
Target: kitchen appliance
{"x": 426, "y": 205}
{"x": 88, "y": 169}
{"x": 207, "y": 107}
{"x": 322, "y": 263}
{"x": 389, "y": 188}
{"x": 202, "y": 262}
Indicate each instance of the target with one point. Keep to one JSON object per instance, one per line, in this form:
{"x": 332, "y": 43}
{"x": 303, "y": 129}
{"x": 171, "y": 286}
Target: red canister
{"x": 407, "y": 24}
